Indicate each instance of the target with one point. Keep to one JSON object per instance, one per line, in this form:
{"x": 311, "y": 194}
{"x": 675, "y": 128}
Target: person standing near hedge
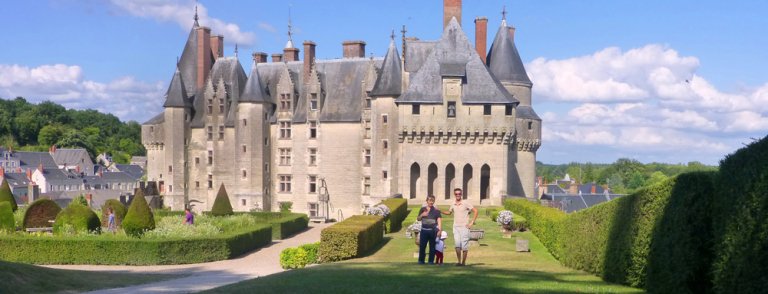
{"x": 431, "y": 222}
{"x": 189, "y": 218}
{"x": 461, "y": 225}
{"x": 111, "y": 221}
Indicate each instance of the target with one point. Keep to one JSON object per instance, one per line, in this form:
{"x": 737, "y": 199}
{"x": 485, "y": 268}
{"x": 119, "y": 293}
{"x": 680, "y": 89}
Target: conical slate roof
{"x": 390, "y": 80}
{"x": 253, "y": 91}
{"x": 188, "y": 62}
{"x": 177, "y": 94}
{"x": 454, "y": 56}
{"x": 504, "y": 60}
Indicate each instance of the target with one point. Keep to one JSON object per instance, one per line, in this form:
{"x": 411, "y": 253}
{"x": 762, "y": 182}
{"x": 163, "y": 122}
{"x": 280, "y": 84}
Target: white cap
{"x": 443, "y": 235}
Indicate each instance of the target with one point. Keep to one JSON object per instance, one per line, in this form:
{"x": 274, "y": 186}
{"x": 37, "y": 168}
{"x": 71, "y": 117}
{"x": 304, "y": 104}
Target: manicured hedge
{"x": 139, "y": 217}
{"x": 350, "y": 238}
{"x": 221, "y": 205}
{"x": 131, "y": 251}
{"x": 40, "y": 213}
{"x": 741, "y": 226}
{"x": 81, "y": 218}
{"x": 398, "y": 210}
{"x": 119, "y": 210}
{"x": 7, "y": 196}
{"x": 7, "y": 222}
{"x": 544, "y": 222}
{"x": 299, "y": 257}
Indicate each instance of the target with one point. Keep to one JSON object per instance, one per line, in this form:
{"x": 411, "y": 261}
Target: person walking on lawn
{"x": 461, "y": 225}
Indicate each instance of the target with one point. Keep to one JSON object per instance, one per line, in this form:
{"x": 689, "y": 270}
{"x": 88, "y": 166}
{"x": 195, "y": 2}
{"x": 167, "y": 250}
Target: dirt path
{"x": 204, "y": 276}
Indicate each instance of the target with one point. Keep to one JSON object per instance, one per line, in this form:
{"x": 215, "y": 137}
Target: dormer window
{"x": 416, "y": 109}
{"x": 210, "y": 106}
{"x": 313, "y": 103}
{"x": 285, "y": 102}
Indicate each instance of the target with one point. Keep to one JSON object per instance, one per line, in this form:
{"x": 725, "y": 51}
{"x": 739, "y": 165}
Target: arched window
{"x": 450, "y": 175}
{"x": 431, "y": 179}
{"x": 485, "y": 181}
{"x": 415, "y": 174}
{"x": 467, "y": 180}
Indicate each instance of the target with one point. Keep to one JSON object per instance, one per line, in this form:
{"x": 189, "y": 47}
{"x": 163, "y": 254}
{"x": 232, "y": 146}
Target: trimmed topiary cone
{"x": 222, "y": 206}
{"x": 139, "y": 218}
{"x": 82, "y": 219}
{"x": 7, "y": 196}
{"x": 7, "y": 223}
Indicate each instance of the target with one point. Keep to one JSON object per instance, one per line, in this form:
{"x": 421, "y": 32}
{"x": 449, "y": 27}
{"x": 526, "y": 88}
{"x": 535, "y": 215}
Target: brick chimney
{"x": 481, "y": 37}
{"x": 353, "y": 49}
{"x": 29, "y": 174}
{"x": 594, "y": 188}
{"x": 2, "y": 172}
{"x": 451, "y": 9}
{"x": 309, "y": 58}
{"x": 217, "y": 46}
{"x": 511, "y": 33}
{"x": 259, "y": 57}
{"x": 291, "y": 54}
{"x": 204, "y": 59}
{"x": 277, "y": 57}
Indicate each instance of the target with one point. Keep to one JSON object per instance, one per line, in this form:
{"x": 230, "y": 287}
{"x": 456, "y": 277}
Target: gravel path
{"x": 204, "y": 276}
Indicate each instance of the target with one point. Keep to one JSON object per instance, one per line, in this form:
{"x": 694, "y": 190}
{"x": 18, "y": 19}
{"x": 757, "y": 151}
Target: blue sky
{"x": 665, "y": 81}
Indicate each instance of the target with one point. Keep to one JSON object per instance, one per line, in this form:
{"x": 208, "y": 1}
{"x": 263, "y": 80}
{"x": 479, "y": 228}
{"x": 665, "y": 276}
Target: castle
{"x": 333, "y": 136}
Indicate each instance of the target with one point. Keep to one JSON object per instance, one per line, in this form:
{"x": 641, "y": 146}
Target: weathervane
{"x": 196, "y": 18}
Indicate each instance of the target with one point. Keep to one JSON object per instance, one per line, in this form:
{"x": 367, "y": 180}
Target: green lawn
{"x": 24, "y": 278}
{"x": 493, "y": 266}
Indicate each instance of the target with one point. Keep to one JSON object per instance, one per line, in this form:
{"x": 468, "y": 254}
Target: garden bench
{"x": 44, "y": 229}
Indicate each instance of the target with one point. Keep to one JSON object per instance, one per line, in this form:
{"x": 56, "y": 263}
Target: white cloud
{"x": 124, "y": 97}
{"x": 182, "y": 12}
{"x": 645, "y": 102}
{"x": 267, "y": 27}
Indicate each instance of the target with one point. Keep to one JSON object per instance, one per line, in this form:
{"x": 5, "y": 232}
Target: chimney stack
{"x": 204, "y": 60}
{"x": 29, "y": 174}
{"x": 511, "y": 33}
{"x": 481, "y": 37}
{"x": 451, "y": 9}
{"x": 291, "y": 54}
{"x": 309, "y": 58}
{"x": 2, "y": 172}
{"x": 217, "y": 46}
{"x": 594, "y": 188}
{"x": 277, "y": 57}
{"x": 259, "y": 57}
{"x": 353, "y": 49}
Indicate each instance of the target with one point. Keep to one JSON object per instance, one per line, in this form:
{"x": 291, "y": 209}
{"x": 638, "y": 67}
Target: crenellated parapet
{"x": 468, "y": 135}
{"x": 528, "y": 145}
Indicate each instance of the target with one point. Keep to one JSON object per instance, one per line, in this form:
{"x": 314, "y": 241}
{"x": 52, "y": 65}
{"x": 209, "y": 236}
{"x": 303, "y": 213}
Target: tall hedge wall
{"x": 284, "y": 224}
{"x": 132, "y": 251}
{"x": 350, "y": 238}
{"x": 741, "y": 228}
{"x": 398, "y": 210}
{"x": 40, "y": 213}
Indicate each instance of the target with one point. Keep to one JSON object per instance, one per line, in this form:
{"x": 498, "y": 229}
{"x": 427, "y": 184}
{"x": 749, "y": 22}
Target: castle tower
{"x": 384, "y": 118}
{"x": 177, "y": 112}
{"x": 505, "y": 63}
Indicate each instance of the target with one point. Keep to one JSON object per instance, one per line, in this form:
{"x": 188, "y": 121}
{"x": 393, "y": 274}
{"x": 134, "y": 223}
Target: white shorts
{"x": 461, "y": 237}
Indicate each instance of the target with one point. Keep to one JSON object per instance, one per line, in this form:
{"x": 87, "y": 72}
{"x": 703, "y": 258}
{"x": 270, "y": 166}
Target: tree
{"x": 139, "y": 218}
{"x": 51, "y": 134}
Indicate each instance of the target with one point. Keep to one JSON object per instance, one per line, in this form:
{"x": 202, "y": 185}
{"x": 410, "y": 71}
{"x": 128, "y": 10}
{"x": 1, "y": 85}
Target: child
{"x": 440, "y": 247}
{"x": 111, "y": 221}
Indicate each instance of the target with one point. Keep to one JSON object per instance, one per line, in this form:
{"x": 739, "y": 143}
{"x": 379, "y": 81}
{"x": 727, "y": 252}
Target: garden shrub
{"x": 299, "y": 257}
{"x": 494, "y": 214}
{"x": 41, "y": 213}
{"x": 117, "y": 250}
{"x": 117, "y": 207}
{"x": 7, "y": 196}
{"x": 286, "y": 206}
{"x": 139, "y": 217}
{"x": 544, "y": 222}
{"x": 350, "y": 238}
{"x": 288, "y": 224}
{"x": 221, "y": 206}
{"x": 740, "y": 221}
{"x": 79, "y": 199}
{"x": 7, "y": 222}
{"x": 78, "y": 217}
{"x": 398, "y": 210}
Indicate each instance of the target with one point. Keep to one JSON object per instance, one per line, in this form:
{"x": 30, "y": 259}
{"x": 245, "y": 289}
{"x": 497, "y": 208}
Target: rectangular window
{"x": 507, "y": 110}
{"x": 367, "y": 157}
{"x": 245, "y": 174}
{"x": 221, "y": 132}
{"x": 197, "y": 161}
{"x": 210, "y": 181}
{"x": 285, "y": 156}
{"x": 367, "y": 102}
{"x": 170, "y": 169}
{"x": 416, "y": 109}
{"x": 170, "y": 188}
{"x": 210, "y": 157}
{"x": 245, "y": 122}
{"x": 242, "y": 202}
{"x": 487, "y": 109}
{"x": 451, "y": 109}
{"x": 312, "y": 129}
{"x": 384, "y": 175}
{"x": 312, "y": 209}
{"x": 530, "y": 125}
{"x": 367, "y": 134}
{"x": 210, "y": 106}
{"x": 385, "y": 144}
{"x": 266, "y": 141}
{"x": 285, "y": 183}
{"x": 312, "y": 184}
{"x": 151, "y": 129}
{"x": 312, "y": 156}
{"x": 221, "y": 106}
{"x": 197, "y": 184}
{"x": 313, "y": 101}
{"x": 210, "y": 133}
{"x": 384, "y": 119}
{"x": 366, "y": 186}
{"x": 285, "y": 130}
{"x": 285, "y": 102}
{"x": 244, "y": 148}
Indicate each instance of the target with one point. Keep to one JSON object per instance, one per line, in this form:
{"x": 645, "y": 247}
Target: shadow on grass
{"x": 412, "y": 278}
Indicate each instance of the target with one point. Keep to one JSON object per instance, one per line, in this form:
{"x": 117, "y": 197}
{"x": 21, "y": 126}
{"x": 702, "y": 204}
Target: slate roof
{"x": 390, "y": 80}
{"x": 70, "y": 157}
{"x": 254, "y": 92}
{"x": 135, "y": 171}
{"x": 16, "y": 180}
{"x": 416, "y": 52}
{"x": 157, "y": 119}
{"x": 504, "y": 60}
{"x": 229, "y": 70}
{"x": 454, "y": 56}
{"x": 176, "y": 96}
{"x": 32, "y": 159}
{"x": 188, "y": 61}
{"x": 56, "y": 176}
{"x": 526, "y": 112}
